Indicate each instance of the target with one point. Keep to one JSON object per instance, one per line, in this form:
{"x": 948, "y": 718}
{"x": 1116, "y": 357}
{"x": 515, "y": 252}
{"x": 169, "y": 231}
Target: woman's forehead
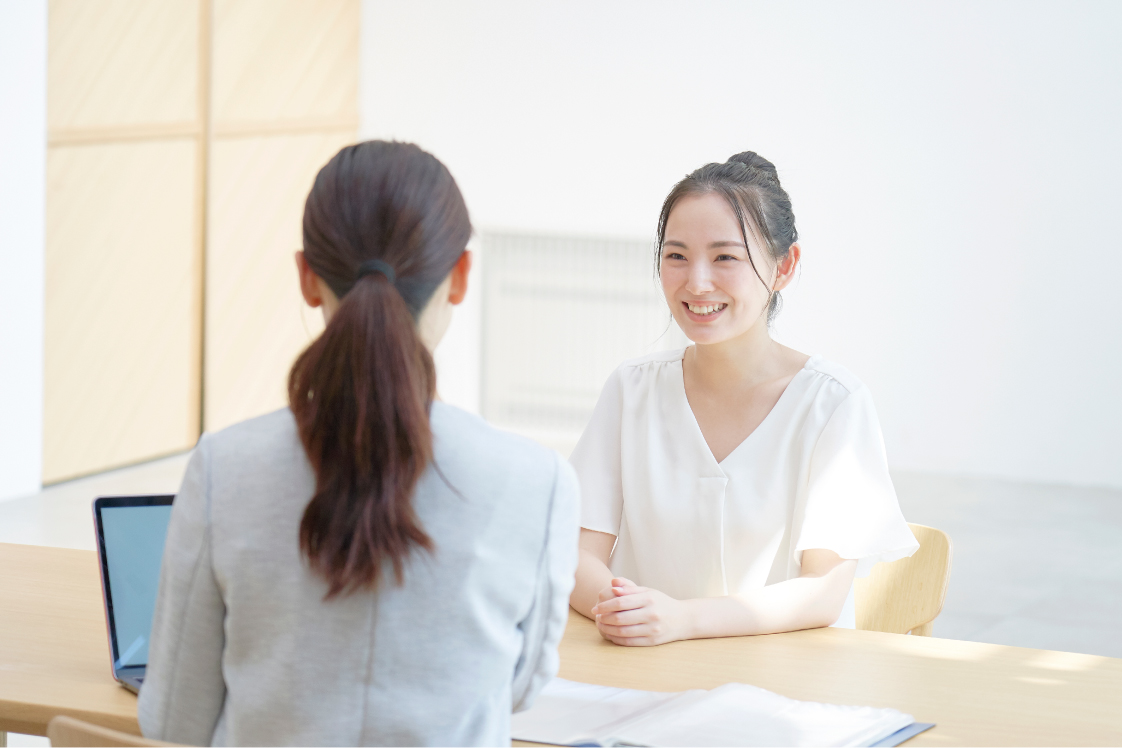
{"x": 707, "y": 217}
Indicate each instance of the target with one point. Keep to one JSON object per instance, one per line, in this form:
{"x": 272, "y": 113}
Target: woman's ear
{"x": 460, "y": 272}
{"x": 785, "y": 271}
{"x": 309, "y": 281}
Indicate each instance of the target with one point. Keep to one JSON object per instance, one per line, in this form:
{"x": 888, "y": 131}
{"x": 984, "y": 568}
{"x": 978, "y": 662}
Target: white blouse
{"x": 812, "y": 475}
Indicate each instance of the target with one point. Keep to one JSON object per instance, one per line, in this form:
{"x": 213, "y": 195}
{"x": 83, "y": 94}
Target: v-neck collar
{"x": 699, "y": 437}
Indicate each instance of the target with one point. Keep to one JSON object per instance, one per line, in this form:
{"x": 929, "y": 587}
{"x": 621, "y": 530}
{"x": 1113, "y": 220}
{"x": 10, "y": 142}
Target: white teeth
{"x": 710, "y": 309}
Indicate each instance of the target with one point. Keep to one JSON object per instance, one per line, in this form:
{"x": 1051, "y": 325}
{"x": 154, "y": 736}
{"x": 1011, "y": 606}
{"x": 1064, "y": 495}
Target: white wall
{"x": 954, "y": 169}
{"x": 23, "y": 158}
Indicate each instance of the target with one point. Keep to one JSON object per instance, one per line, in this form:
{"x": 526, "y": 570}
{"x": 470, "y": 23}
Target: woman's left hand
{"x": 640, "y": 617}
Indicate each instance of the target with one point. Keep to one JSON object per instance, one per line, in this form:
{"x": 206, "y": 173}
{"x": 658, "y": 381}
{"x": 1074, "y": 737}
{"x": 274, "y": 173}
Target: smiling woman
{"x": 748, "y": 185}
{"x": 736, "y": 486}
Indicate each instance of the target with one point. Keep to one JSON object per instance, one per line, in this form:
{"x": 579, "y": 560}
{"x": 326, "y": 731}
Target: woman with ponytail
{"x": 736, "y": 486}
{"x": 368, "y": 566}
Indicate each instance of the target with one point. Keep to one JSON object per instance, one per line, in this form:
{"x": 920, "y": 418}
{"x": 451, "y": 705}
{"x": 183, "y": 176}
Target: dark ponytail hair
{"x": 750, "y": 184}
{"x": 384, "y": 224}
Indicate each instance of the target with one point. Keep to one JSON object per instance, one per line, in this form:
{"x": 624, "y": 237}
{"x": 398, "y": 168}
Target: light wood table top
{"x": 977, "y": 694}
{"x": 54, "y": 659}
{"x": 54, "y": 650}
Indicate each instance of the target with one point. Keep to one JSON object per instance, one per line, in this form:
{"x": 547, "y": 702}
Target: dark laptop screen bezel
{"x": 113, "y": 502}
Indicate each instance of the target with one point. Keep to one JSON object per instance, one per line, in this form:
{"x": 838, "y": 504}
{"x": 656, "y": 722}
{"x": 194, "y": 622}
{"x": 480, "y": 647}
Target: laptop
{"x": 131, "y": 531}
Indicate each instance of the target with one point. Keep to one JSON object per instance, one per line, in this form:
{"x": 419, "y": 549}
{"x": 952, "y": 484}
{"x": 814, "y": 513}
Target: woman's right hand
{"x": 634, "y": 616}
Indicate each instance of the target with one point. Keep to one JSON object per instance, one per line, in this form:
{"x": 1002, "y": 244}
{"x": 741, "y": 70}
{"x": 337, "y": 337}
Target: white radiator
{"x": 559, "y": 314}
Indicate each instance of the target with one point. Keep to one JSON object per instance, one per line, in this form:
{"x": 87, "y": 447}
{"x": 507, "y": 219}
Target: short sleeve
{"x": 598, "y": 464}
{"x": 850, "y": 506}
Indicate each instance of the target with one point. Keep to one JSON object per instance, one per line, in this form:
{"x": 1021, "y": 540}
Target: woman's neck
{"x": 743, "y": 361}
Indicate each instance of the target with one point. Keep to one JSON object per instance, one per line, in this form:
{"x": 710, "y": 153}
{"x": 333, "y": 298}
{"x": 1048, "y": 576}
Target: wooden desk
{"x": 54, "y": 659}
{"x": 54, "y": 652}
{"x": 977, "y": 694}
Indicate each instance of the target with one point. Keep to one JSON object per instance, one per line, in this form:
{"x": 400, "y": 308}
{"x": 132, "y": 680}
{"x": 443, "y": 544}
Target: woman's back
{"x": 246, "y": 650}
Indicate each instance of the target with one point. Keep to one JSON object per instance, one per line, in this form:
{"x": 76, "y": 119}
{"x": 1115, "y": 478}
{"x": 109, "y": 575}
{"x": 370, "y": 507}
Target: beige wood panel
{"x": 278, "y": 61}
{"x": 122, "y": 63}
{"x": 256, "y": 320}
{"x": 122, "y": 305}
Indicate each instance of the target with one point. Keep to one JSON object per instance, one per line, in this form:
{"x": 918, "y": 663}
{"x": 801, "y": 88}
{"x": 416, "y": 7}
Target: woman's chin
{"x": 707, "y": 336}
{"x": 704, "y": 332}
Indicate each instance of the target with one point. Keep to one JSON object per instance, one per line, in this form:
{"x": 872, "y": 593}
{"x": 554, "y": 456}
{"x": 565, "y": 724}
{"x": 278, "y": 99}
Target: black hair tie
{"x": 376, "y": 266}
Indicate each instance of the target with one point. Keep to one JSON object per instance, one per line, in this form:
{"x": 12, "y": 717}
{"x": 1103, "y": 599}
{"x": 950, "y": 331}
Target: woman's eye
{"x": 674, "y": 256}
{"x": 725, "y": 257}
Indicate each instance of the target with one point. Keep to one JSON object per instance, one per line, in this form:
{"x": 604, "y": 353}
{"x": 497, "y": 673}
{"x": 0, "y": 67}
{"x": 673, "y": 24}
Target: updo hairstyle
{"x": 750, "y": 185}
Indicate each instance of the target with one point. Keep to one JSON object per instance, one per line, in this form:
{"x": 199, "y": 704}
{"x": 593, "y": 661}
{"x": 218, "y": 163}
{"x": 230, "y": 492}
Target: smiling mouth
{"x": 704, "y": 310}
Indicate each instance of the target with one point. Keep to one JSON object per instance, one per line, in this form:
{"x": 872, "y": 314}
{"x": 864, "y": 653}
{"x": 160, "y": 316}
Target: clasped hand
{"x": 635, "y": 616}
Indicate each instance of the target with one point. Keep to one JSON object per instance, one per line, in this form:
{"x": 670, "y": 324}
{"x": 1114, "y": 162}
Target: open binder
{"x": 735, "y": 714}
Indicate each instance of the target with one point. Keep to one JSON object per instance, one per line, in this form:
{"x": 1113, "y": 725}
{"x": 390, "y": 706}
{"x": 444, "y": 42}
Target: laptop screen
{"x": 131, "y": 532}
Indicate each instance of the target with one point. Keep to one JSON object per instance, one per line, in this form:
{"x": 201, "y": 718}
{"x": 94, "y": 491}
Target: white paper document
{"x": 569, "y": 713}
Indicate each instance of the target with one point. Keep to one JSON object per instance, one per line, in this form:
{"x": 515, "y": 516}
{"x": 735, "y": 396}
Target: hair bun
{"x": 753, "y": 160}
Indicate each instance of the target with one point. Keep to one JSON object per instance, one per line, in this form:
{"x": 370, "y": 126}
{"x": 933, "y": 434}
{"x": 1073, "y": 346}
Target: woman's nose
{"x": 700, "y": 281}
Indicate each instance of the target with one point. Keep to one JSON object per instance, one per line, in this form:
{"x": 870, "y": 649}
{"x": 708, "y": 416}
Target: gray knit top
{"x": 246, "y": 651}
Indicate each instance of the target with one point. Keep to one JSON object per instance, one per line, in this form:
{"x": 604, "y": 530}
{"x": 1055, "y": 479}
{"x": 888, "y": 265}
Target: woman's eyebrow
{"x": 712, "y": 245}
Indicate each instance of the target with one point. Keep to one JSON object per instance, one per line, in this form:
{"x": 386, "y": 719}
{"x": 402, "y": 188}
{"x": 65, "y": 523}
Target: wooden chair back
{"x": 906, "y": 595}
{"x": 67, "y": 731}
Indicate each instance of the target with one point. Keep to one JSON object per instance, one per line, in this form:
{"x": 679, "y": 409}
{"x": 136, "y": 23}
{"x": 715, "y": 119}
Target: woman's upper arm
{"x": 821, "y": 562}
{"x": 850, "y": 505}
{"x": 597, "y": 459}
{"x": 598, "y": 544}
{"x": 832, "y": 578}
{"x": 183, "y": 688}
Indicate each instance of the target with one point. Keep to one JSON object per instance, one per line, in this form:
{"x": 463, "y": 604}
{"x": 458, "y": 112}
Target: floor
{"x": 1036, "y": 566}
{"x": 62, "y": 515}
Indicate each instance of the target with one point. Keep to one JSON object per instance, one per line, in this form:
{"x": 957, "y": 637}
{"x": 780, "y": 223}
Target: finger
{"x": 622, "y": 583}
{"x": 621, "y": 591}
{"x": 635, "y": 641}
{"x": 624, "y": 617}
{"x": 627, "y": 632}
{"x": 616, "y": 604}
{"x": 609, "y": 592}
{"x": 621, "y": 640}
